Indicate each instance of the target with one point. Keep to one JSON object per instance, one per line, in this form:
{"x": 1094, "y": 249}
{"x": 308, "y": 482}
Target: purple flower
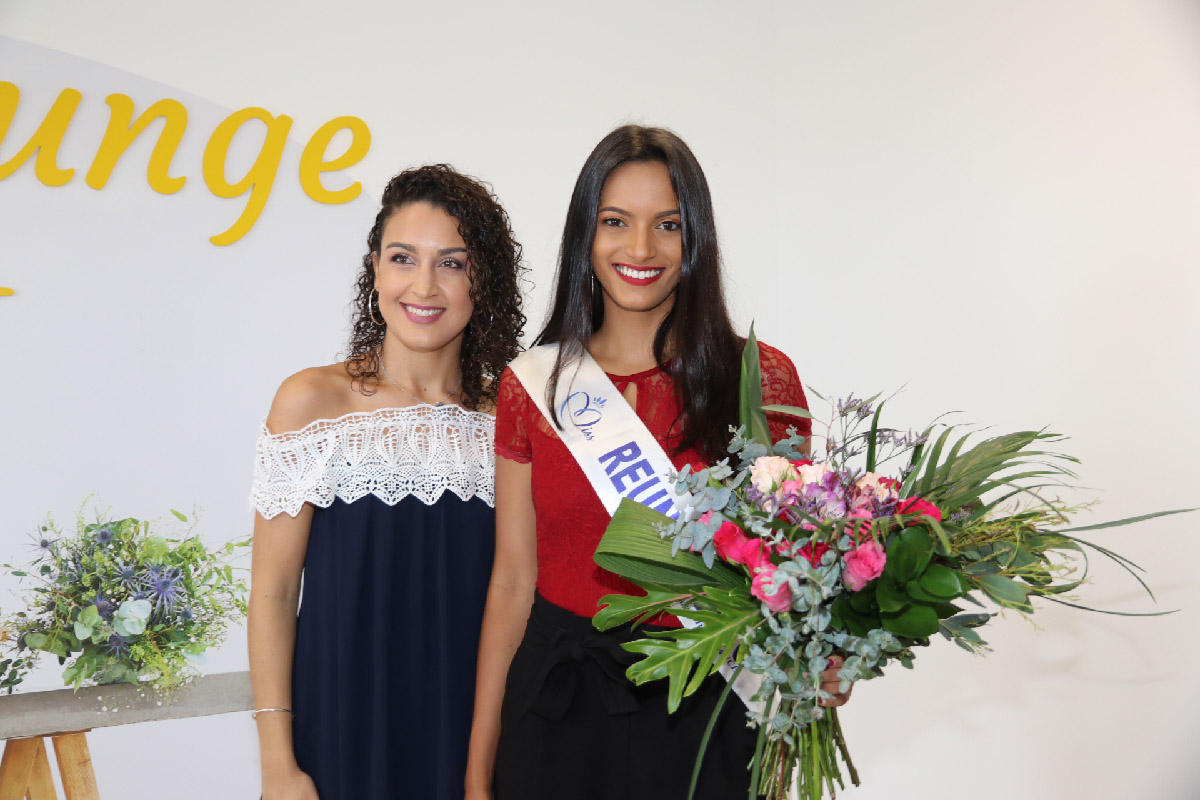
{"x": 105, "y": 536}
{"x": 42, "y": 544}
{"x": 105, "y": 606}
{"x": 116, "y": 646}
{"x": 127, "y": 575}
{"x": 163, "y": 586}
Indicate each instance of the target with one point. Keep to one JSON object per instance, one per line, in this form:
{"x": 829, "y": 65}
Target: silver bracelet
{"x": 254, "y": 714}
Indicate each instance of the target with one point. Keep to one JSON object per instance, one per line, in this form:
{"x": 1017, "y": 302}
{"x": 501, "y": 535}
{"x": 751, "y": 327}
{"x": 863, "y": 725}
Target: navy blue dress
{"x": 395, "y": 577}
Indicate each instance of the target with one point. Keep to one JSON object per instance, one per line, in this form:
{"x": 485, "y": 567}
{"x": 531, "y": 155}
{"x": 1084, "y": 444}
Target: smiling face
{"x": 423, "y": 278}
{"x": 637, "y": 251}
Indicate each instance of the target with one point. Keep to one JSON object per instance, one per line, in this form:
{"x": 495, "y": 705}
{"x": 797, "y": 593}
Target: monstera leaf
{"x": 685, "y": 657}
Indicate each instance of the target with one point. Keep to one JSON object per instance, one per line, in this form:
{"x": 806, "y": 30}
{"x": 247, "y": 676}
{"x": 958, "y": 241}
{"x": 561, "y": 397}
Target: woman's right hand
{"x": 291, "y": 785}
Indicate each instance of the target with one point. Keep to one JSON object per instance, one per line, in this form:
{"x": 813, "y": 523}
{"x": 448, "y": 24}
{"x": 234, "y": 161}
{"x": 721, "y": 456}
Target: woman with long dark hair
{"x": 638, "y": 290}
{"x": 374, "y": 481}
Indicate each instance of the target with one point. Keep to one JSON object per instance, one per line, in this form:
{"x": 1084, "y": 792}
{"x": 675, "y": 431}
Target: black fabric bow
{"x": 568, "y": 658}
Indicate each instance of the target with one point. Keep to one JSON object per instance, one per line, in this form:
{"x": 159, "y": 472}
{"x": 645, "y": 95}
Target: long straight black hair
{"x": 704, "y": 361}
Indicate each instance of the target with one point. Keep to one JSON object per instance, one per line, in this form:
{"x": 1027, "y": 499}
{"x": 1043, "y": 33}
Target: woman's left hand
{"x": 831, "y": 683}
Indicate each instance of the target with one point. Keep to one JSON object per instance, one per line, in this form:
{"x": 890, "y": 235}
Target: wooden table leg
{"x": 41, "y": 783}
{"x": 25, "y": 771}
{"x": 75, "y": 766}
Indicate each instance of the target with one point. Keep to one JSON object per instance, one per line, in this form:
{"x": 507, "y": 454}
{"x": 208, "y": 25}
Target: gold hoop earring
{"x": 373, "y": 309}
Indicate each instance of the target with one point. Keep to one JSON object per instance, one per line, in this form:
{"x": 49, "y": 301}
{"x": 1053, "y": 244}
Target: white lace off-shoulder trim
{"x": 391, "y": 453}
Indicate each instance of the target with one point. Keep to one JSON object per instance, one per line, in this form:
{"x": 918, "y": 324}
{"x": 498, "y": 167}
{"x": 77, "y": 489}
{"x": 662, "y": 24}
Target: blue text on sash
{"x": 636, "y": 468}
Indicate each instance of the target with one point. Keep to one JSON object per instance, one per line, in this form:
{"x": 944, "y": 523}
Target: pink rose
{"x": 728, "y": 540}
{"x": 737, "y": 548}
{"x": 863, "y": 565}
{"x": 756, "y": 553}
{"x": 918, "y": 505}
{"x": 780, "y": 601}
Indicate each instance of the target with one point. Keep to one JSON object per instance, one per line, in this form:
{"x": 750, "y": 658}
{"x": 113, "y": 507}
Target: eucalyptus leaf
{"x": 89, "y": 616}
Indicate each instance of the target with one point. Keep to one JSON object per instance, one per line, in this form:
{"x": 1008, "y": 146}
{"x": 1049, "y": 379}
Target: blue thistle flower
{"x": 105, "y": 536}
{"x": 186, "y": 615}
{"x": 127, "y": 576}
{"x": 42, "y": 543}
{"x": 105, "y": 606}
{"x": 163, "y": 586}
{"x": 116, "y": 646}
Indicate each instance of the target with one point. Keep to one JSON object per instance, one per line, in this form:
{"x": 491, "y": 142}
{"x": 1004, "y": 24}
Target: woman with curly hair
{"x": 374, "y": 480}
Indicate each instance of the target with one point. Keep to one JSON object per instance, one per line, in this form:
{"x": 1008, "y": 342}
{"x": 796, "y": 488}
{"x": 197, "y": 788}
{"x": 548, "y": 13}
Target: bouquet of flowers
{"x": 783, "y": 561}
{"x": 122, "y": 603}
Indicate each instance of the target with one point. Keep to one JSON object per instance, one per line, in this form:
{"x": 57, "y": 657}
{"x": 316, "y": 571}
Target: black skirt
{"x": 572, "y": 725}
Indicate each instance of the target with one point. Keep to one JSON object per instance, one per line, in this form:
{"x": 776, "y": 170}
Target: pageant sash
{"x": 617, "y": 453}
{"x": 614, "y": 448}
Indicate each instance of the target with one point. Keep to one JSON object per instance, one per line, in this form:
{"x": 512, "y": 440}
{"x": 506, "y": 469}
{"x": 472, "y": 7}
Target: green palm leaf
{"x": 685, "y": 657}
{"x": 750, "y": 405}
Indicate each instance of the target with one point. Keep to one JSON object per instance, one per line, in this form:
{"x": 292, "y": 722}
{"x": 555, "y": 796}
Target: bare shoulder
{"x": 311, "y": 394}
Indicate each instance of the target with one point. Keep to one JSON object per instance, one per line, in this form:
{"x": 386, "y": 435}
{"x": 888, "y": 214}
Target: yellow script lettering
{"x": 121, "y": 133}
{"x": 313, "y": 163}
{"x": 258, "y": 179}
{"x": 45, "y": 139}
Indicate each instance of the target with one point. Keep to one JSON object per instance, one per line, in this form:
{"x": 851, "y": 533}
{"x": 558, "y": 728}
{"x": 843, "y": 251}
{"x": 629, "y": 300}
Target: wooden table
{"x": 64, "y": 717}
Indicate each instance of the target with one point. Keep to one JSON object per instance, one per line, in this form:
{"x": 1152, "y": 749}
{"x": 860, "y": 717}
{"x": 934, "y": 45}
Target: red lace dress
{"x": 570, "y": 517}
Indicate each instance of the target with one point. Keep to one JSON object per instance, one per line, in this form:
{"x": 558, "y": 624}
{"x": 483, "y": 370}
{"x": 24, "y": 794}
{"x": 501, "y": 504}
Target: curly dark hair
{"x": 492, "y": 337}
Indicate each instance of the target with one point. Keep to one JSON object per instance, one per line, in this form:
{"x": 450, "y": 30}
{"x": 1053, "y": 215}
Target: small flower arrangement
{"x": 783, "y": 562}
{"x": 119, "y": 602}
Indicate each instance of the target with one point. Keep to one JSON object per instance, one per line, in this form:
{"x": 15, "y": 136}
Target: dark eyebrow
{"x": 444, "y": 252}
{"x": 616, "y": 210}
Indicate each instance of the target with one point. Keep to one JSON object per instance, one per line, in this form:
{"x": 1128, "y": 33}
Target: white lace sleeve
{"x": 390, "y": 453}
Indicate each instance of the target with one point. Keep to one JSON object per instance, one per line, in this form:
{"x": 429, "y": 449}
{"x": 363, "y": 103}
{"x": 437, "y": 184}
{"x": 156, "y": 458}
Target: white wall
{"x": 993, "y": 203}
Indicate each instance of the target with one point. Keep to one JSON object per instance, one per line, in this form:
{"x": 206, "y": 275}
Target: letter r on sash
{"x": 624, "y": 453}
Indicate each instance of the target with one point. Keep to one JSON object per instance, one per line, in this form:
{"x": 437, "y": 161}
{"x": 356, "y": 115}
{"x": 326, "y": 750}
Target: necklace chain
{"x": 438, "y": 404}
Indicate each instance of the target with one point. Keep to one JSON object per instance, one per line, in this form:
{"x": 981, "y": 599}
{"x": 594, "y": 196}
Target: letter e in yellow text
{"x": 313, "y": 163}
